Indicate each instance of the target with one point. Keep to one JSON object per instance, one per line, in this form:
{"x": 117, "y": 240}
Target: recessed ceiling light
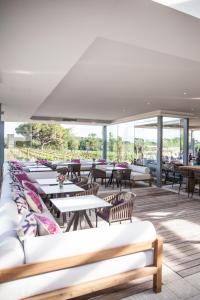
{"x": 185, "y": 93}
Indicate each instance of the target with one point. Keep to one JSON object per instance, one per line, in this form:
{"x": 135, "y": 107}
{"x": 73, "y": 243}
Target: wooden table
{"x": 78, "y": 205}
{"x": 190, "y": 184}
{"x": 57, "y": 190}
{"x": 51, "y": 181}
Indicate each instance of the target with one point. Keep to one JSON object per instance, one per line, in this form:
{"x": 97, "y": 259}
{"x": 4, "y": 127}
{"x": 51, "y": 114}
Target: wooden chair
{"x": 90, "y": 189}
{"x": 99, "y": 174}
{"x": 121, "y": 176}
{"x": 74, "y": 170}
{"x": 121, "y": 210}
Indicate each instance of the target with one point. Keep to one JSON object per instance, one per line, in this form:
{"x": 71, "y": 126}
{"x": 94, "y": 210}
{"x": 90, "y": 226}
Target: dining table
{"x": 51, "y": 181}
{"x": 190, "y": 182}
{"x": 56, "y": 190}
{"x": 78, "y": 206}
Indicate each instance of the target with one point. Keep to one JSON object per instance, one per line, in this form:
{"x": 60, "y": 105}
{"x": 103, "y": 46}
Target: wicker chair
{"x": 90, "y": 189}
{"x": 62, "y": 170}
{"x": 121, "y": 210}
{"x": 99, "y": 174}
{"x": 81, "y": 180}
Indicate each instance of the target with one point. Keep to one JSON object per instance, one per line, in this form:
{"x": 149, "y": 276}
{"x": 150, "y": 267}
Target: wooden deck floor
{"x": 177, "y": 220}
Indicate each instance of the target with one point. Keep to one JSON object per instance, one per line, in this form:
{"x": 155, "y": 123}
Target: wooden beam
{"x": 96, "y": 285}
{"x": 27, "y": 270}
{"x": 158, "y": 257}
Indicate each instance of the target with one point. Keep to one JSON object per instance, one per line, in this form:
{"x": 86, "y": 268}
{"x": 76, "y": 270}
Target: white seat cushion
{"x": 140, "y": 176}
{"x": 11, "y": 252}
{"x": 139, "y": 169}
{"x": 68, "y": 244}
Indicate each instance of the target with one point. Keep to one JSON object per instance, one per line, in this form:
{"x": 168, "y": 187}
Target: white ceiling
{"x": 113, "y": 80}
{"x": 98, "y": 59}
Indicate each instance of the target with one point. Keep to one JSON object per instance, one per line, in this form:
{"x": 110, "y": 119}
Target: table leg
{"x": 76, "y": 220}
{"x": 71, "y": 221}
{"x": 87, "y": 219}
{"x": 64, "y": 218}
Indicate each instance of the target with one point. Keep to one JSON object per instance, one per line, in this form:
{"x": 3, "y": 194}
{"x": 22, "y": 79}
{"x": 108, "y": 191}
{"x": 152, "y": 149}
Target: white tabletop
{"x": 66, "y": 189}
{"x": 51, "y": 181}
{"x": 39, "y": 169}
{"x": 79, "y": 203}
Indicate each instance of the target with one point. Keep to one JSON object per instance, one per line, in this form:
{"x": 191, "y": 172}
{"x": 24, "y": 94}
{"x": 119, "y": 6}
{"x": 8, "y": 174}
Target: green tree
{"x": 46, "y": 134}
{"x": 25, "y": 130}
{"x": 92, "y": 142}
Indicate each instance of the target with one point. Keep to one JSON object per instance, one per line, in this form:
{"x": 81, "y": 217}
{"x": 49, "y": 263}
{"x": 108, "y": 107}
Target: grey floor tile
{"x": 166, "y": 294}
{"x": 183, "y": 289}
{"x": 194, "y": 280}
{"x": 169, "y": 275}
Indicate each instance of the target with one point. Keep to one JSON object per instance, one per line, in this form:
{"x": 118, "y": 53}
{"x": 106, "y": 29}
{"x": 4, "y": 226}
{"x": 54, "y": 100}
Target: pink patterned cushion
{"x": 103, "y": 161}
{"x": 28, "y": 226}
{"x": 29, "y": 186}
{"x": 17, "y": 194}
{"x": 34, "y": 201}
{"x": 22, "y": 176}
{"x": 122, "y": 165}
{"x": 22, "y": 205}
{"x": 47, "y": 225}
{"x": 77, "y": 161}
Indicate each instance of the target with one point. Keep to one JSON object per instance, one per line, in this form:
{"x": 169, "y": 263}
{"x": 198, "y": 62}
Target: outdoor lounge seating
{"x": 125, "y": 252}
{"x": 140, "y": 173}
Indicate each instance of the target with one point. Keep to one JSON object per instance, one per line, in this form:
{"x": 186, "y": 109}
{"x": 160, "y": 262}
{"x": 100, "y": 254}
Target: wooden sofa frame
{"x": 33, "y": 269}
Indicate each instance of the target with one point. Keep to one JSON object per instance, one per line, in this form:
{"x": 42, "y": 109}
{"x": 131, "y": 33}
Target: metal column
{"x": 104, "y": 135}
{"x": 185, "y": 140}
{"x": 159, "y": 150}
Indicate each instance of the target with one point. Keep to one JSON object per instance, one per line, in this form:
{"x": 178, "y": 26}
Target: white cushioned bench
{"x": 73, "y": 263}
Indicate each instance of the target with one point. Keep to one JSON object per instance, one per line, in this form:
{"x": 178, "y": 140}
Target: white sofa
{"x": 140, "y": 173}
{"x": 72, "y": 259}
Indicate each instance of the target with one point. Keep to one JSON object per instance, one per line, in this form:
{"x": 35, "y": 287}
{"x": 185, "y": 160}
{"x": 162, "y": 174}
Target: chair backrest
{"x": 82, "y": 180}
{"x": 90, "y": 189}
{"x": 98, "y": 173}
{"x": 62, "y": 170}
{"x": 76, "y": 168}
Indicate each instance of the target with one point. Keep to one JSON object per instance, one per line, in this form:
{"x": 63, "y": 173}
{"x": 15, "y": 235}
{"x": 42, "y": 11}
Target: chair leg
{"x": 96, "y": 220}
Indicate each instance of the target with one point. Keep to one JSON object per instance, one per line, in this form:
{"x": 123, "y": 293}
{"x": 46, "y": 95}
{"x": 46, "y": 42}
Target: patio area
{"x": 177, "y": 220}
